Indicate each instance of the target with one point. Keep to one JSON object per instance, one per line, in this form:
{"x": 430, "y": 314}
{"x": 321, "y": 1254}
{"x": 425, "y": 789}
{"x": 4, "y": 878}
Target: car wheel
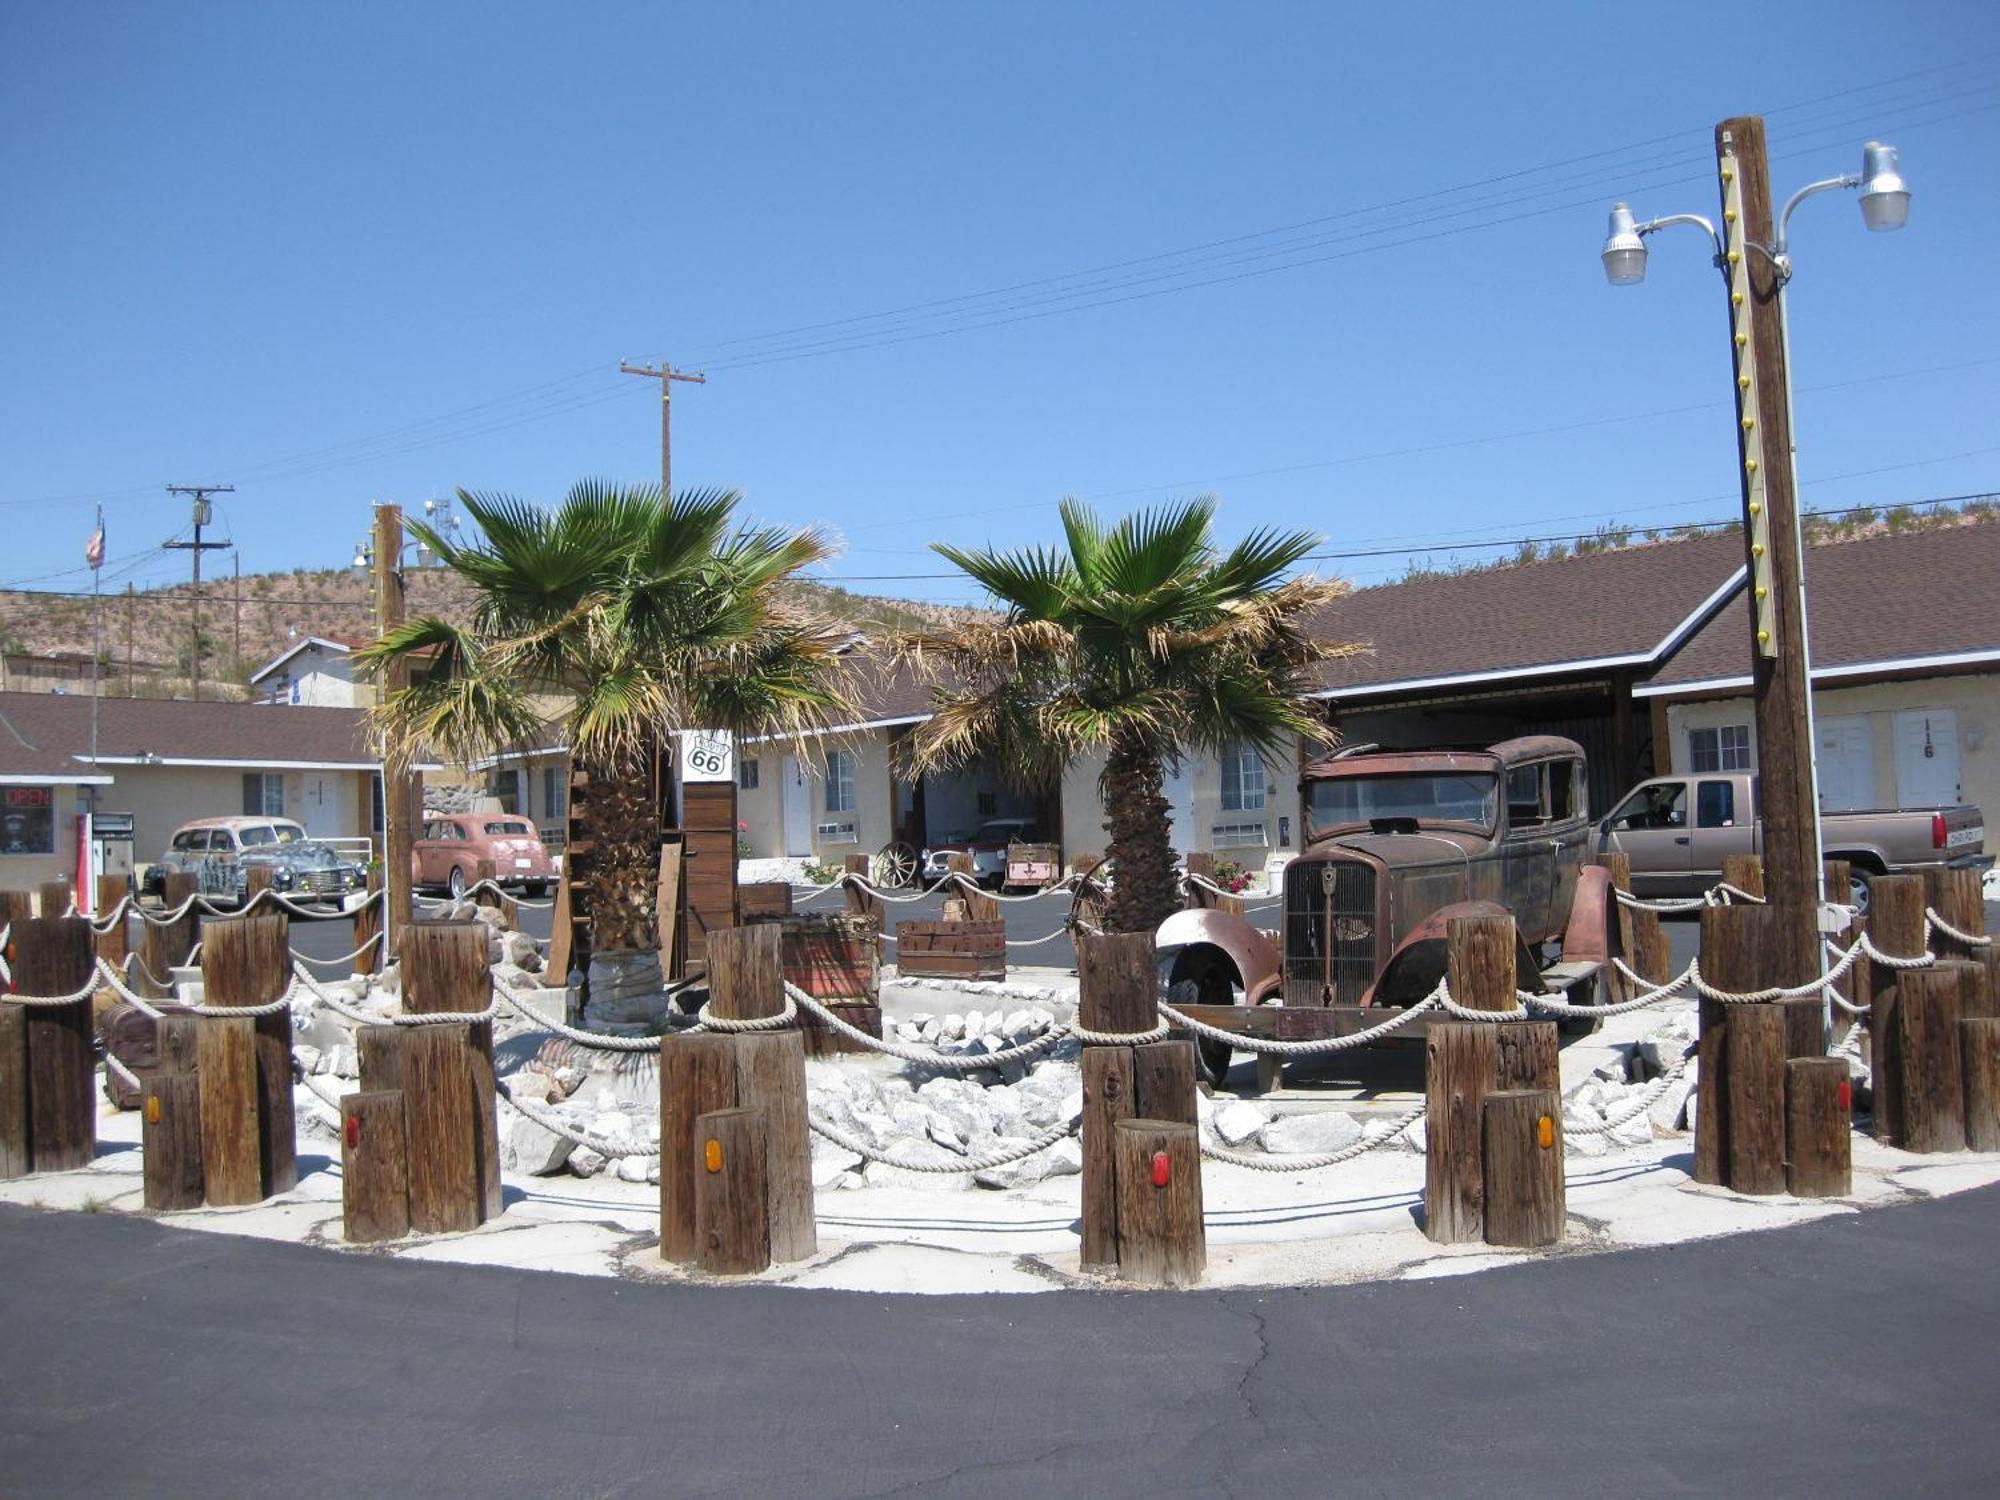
{"x": 1859, "y": 884}
{"x": 455, "y": 883}
{"x": 1200, "y": 979}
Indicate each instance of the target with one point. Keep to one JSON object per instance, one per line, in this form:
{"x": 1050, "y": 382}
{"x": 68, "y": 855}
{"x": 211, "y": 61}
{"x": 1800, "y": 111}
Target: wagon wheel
{"x": 1088, "y": 899}
{"x": 894, "y": 866}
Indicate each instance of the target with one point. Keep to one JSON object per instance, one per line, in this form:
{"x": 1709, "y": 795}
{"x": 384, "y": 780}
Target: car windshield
{"x": 256, "y": 835}
{"x": 1355, "y": 801}
{"x": 512, "y": 830}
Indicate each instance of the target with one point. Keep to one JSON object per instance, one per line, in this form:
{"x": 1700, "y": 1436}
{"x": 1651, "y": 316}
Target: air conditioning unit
{"x": 1238, "y": 836}
{"x": 836, "y": 833}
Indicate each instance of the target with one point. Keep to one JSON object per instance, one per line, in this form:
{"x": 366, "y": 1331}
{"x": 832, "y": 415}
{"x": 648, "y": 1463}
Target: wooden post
{"x": 1530, "y": 1055}
{"x": 1956, "y": 896}
{"x": 1619, "y": 866}
{"x": 1522, "y": 1145}
{"x": 731, "y": 1197}
{"x": 256, "y": 881}
{"x": 771, "y": 1078}
{"x": 374, "y": 1166}
{"x": 979, "y": 906}
{"x": 1975, "y": 985}
{"x": 667, "y": 909}
{"x": 1461, "y": 1061}
{"x": 447, "y": 968}
{"x": 1932, "y": 1086}
{"x": 441, "y": 1142}
{"x": 1756, "y": 1082}
{"x": 53, "y": 898}
{"x": 562, "y": 932}
{"x": 16, "y": 1155}
{"x": 746, "y": 972}
{"x": 231, "y": 1160}
{"x": 247, "y": 961}
{"x": 1979, "y": 1054}
{"x": 114, "y": 943}
{"x": 164, "y": 946}
{"x": 1482, "y": 971}
{"x": 1163, "y": 1075}
{"x": 402, "y": 800}
{"x": 367, "y": 924}
{"x": 1117, "y": 980}
{"x": 1896, "y": 927}
{"x": 1733, "y": 959}
{"x": 170, "y": 1141}
{"x": 860, "y": 902}
{"x": 1745, "y": 872}
{"x": 1818, "y": 1127}
{"x": 697, "y": 1077}
{"x": 55, "y": 956}
{"x": 1156, "y": 1170}
{"x": 1640, "y": 936}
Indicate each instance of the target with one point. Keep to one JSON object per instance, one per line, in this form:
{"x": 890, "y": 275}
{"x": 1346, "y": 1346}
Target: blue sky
{"x": 338, "y": 254}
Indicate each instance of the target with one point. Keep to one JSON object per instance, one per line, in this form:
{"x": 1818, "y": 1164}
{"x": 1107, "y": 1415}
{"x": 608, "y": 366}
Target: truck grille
{"x": 1317, "y": 956}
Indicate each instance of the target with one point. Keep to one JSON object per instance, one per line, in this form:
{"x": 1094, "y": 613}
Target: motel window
{"x": 555, "y": 791}
{"x": 1723, "y": 748}
{"x": 746, "y": 774}
{"x": 1242, "y": 778}
{"x": 839, "y": 781}
{"x": 263, "y": 795}
{"x": 507, "y": 787}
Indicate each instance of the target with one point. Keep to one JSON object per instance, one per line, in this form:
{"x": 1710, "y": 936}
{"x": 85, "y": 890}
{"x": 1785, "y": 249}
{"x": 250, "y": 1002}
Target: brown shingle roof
{"x": 1869, "y": 601}
{"x": 1624, "y": 607}
{"x": 56, "y": 730}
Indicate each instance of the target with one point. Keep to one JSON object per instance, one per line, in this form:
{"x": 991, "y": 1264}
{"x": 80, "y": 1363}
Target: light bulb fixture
{"x": 1624, "y": 251}
{"x": 1885, "y": 197}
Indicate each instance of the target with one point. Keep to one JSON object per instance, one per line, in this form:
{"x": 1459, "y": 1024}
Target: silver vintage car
{"x": 219, "y": 852}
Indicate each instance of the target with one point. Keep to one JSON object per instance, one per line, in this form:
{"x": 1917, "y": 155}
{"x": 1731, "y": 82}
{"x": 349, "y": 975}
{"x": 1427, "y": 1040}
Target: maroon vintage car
{"x": 1398, "y": 843}
{"x": 453, "y": 844}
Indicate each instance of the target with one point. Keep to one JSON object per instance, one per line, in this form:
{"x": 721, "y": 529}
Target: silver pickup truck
{"x": 1676, "y": 830}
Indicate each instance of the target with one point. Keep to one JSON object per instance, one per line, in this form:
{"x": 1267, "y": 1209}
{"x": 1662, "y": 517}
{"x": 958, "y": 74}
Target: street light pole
{"x": 1788, "y": 801}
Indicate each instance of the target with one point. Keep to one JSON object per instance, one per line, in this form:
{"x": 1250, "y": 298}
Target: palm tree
{"x": 614, "y": 618}
{"x": 1141, "y": 642}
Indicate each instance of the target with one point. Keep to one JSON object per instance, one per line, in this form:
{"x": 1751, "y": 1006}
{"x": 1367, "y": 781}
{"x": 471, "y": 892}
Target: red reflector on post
{"x": 1846, "y": 1095}
{"x": 353, "y": 1134}
{"x": 1163, "y": 1169}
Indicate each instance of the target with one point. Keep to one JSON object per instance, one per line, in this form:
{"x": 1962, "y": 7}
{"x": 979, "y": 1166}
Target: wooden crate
{"x": 822, "y": 1040}
{"x": 764, "y": 898}
{"x": 831, "y": 956}
{"x": 953, "y": 950}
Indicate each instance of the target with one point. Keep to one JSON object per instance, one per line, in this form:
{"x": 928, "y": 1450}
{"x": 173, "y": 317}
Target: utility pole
{"x": 237, "y": 601}
{"x": 131, "y": 622}
{"x": 666, "y": 374}
{"x": 399, "y": 782}
{"x": 1787, "y": 800}
{"x": 203, "y": 512}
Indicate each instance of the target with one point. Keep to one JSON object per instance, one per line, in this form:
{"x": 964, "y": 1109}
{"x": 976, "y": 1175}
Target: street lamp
{"x": 1752, "y": 250}
{"x": 1885, "y": 205}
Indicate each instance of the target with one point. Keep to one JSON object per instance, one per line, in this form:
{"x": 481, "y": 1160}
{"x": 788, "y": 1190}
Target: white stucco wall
{"x": 1974, "y": 699}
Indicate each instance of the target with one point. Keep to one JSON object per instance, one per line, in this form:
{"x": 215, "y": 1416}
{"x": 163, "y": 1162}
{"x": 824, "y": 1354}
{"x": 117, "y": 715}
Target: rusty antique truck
{"x": 1397, "y": 844}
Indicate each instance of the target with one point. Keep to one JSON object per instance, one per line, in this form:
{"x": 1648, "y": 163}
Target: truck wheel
{"x": 1858, "y": 887}
{"x": 1201, "y": 979}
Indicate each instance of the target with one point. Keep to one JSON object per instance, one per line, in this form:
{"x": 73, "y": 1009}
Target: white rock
{"x": 585, "y": 1162}
{"x": 1019, "y": 1023}
{"x": 1014, "y": 1174}
{"x": 1309, "y": 1135}
{"x": 941, "y": 1130}
{"x": 909, "y": 1031}
{"x": 631, "y": 1169}
{"x": 1065, "y": 1157}
{"x": 611, "y": 1127}
{"x": 972, "y": 1023}
{"x": 830, "y": 1164}
{"x": 308, "y": 1057}
{"x": 343, "y": 1062}
{"x": 533, "y": 1151}
{"x": 931, "y": 1030}
{"x": 1239, "y": 1120}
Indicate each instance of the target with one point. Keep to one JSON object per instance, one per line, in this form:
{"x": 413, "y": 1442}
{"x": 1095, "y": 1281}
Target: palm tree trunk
{"x": 620, "y": 871}
{"x": 1143, "y": 891}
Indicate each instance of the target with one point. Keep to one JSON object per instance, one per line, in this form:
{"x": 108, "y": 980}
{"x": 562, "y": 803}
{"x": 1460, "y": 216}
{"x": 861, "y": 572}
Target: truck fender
{"x": 1419, "y": 960}
{"x": 1589, "y": 933}
{"x": 1249, "y": 951}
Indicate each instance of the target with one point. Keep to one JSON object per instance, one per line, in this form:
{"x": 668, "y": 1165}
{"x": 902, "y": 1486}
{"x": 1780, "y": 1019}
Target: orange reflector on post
{"x": 1846, "y": 1095}
{"x": 353, "y": 1134}
{"x": 711, "y": 1156}
{"x": 1545, "y": 1132}
{"x": 1163, "y": 1168}
{"x": 152, "y": 1109}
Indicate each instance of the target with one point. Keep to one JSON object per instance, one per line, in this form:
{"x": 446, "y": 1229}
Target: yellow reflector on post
{"x": 152, "y": 1109}
{"x": 711, "y": 1155}
{"x": 1545, "y": 1132}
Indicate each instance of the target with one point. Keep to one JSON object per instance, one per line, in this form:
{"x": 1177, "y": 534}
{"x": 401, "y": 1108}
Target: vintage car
{"x": 220, "y": 852}
{"x": 1398, "y": 843}
{"x": 451, "y": 845}
{"x": 988, "y": 847}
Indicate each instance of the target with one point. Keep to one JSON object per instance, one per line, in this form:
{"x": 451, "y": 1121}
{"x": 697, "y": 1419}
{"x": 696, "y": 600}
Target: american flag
{"x": 93, "y": 550}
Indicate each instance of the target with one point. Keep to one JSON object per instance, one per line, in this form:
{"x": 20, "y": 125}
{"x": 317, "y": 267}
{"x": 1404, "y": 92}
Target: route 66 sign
{"x": 707, "y": 755}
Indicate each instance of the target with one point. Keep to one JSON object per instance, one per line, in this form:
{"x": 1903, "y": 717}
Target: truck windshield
{"x": 1357, "y": 801}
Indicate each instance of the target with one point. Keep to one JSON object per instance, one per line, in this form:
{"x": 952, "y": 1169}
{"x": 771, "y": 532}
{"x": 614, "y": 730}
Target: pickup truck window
{"x": 1565, "y": 781}
{"x": 1524, "y": 796}
{"x": 1662, "y": 805}
{"x": 1356, "y": 801}
{"x": 1715, "y": 804}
